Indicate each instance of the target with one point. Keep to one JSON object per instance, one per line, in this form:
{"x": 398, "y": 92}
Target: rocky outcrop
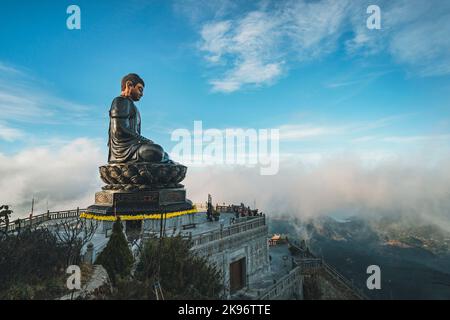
{"x": 97, "y": 287}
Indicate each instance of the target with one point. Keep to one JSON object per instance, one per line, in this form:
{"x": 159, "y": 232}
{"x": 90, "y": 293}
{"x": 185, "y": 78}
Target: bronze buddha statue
{"x": 126, "y": 144}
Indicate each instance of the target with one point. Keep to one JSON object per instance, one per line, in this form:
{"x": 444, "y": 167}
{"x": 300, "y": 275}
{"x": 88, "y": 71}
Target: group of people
{"x": 243, "y": 211}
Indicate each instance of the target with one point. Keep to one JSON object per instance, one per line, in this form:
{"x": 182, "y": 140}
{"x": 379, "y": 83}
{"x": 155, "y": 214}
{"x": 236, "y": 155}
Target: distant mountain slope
{"x": 414, "y": 261}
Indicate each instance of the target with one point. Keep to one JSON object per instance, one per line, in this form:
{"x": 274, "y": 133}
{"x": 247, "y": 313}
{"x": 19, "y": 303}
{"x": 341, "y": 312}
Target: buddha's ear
{"x": 127, "y": 90}
{"x": 129, "y": 84}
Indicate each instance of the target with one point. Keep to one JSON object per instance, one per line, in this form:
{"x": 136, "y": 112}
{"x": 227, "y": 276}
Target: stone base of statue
{"x": 140, "y": 202}
{"x": 141, "y": 190}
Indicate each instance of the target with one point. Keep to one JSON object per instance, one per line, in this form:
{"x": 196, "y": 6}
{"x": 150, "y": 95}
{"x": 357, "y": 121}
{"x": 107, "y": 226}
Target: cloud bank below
{"x": 410, "y": 184}
{"x": 62, "y": 175}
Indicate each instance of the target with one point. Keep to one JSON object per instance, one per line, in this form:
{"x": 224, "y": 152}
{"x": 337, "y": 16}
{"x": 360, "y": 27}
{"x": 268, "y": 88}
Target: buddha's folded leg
{"x": 150, "y": 153}
{"x": 166, "y": 158}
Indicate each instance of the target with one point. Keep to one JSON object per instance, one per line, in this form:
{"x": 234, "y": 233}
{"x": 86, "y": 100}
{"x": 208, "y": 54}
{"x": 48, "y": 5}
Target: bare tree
{"x": 75, "y": 234}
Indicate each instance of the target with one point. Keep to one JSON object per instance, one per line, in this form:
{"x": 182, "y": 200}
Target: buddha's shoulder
{"x": 120, "y": 100}
{"x": 121, "y": 106}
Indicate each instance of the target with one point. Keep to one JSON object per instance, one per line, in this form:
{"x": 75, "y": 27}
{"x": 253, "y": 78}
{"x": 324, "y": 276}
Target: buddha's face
{"x": 137, "y": 92}
{"x": 134, "y": 92}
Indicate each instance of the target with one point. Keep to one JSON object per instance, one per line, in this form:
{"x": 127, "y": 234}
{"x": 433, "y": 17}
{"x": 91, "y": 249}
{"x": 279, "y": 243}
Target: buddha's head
{"x": 132, "y": 87}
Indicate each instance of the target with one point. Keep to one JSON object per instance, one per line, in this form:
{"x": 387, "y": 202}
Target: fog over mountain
{"x": 343, "y": 186}
{"x": 62, "y": 174}
{"x": 414, "y": 184}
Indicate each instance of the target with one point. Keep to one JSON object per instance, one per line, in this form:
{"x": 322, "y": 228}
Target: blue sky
{"x": 321, "y": 83}
{"x": 310, "y": 68}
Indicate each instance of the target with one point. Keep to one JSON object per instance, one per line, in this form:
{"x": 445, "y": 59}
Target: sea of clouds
{"x": 66, "y": 176}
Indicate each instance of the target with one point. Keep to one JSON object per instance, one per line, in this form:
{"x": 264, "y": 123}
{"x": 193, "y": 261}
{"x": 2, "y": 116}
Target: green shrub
{"x": 116, "y": 258}
{"x": 183, "y": 275}
{"x": 31, "y": 264}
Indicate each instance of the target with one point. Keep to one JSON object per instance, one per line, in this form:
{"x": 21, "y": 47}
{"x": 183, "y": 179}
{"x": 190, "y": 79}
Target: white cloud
{"x": 300, "y": 132}
{"x": 307, "y": 131}
{"x": 10, "y": 134}
{"x": 309, "y": 184}
{"x": 215, "y": 41}
{"x": 249, "y": 72}
{"x": 22, "y": 99}
{"x": 256, "y": 46}
{"x": 248, "y": 44}
{"x": 403, "y": 184}
{"x": 364, "y": 139}
{"x": 425, "y": 46}
{"x": 415, "y": 139}
{"x": 65, "y": 175}
{"x": 10, "y": 69}
{"x": 414, "y": 33}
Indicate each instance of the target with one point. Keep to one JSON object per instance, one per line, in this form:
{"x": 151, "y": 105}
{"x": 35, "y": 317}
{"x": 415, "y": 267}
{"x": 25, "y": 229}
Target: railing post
{"x": 89, "y": 255}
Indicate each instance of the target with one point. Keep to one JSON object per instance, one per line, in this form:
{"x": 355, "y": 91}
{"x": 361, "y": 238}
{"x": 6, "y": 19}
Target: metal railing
{"x": 38, "y": 219}
{"x": 314, "y": 262}
{"x": 345, "y": 281}
{"x": 241, "y": 225}
{"x": 286, "y": 282}
{"x": 310, "y": 264}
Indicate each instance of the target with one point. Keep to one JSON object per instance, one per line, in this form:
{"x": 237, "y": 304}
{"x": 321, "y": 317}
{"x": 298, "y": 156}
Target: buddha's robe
{"x": 125, "y": 138}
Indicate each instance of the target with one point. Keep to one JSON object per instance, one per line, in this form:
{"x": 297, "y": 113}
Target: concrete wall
{"x": 251, "y": 245}
{"x": 288, "y": 287}
{"x": 222, "y": 247}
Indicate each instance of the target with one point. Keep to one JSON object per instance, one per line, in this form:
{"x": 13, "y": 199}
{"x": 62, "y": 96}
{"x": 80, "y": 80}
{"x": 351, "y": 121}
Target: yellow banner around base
{"x": 153, "y": 216}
